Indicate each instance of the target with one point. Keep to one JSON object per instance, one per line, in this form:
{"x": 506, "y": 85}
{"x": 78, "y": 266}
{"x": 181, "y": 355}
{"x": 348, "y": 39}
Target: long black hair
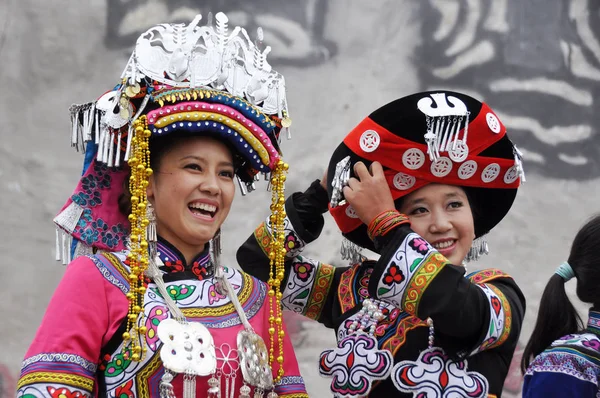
{"x": 557, "y": 317}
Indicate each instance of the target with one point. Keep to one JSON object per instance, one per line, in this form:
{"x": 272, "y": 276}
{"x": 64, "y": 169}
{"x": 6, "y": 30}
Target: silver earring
{"x": 478, "y": 248}
{"x": 151, "y": 235}
{"x": 215, "y": 249}
{"x": 351, "y": 252}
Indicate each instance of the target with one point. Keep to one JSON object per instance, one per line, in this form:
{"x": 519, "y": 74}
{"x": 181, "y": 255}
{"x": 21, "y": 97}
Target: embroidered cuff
{"x": 401, "y": 278}
{"x": 307, "y": 287}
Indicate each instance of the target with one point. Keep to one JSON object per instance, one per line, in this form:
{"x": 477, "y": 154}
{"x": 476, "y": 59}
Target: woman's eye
{"x": 419, "y": 210}
{"x": 193, "y": 166}
{"x": 455, "y": 205}
{"x": 227, "y": 173}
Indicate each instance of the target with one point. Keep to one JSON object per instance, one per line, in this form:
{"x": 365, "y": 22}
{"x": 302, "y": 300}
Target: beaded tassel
{"x": 276, "y": 259}
{"x": 138, "y": 256}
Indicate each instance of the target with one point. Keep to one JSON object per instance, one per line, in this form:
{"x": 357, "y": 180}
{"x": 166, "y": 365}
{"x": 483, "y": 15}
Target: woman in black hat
{"x": 417, "y": 182}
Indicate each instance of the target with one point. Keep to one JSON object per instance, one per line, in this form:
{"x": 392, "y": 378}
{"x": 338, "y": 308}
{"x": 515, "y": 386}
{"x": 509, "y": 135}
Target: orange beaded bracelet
{"x": 384, "y": 222}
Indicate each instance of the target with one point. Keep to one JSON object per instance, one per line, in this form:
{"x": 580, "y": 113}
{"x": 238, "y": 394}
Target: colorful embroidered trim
{"x": 300, "y": 284}
{"x": 320, "y": 291}
{"x": 112, "y": 273}
{"x": 593, "y": 324}
{"x": 487, "y": 275}
{"x": 419, "y": 282}
{"x": 48, "y": 359}
{"x": 291, "y": 386}
{"x": 500, "y": 318}
{"x": 144, "y": 378}
{"x": 568, "y": 361}
{"x": 251, "y": 293}
{"x": 84, "y": 383}
{"x": 293, "y": 244}
{"x": 408, "y": 260}
{"x": 345, "y": 295}
{"x": 384, "y": 222}
{"x": 403, "y": 326}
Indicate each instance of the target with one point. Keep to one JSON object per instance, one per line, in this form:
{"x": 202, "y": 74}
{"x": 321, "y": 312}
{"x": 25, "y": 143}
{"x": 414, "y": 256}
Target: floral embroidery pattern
{"x": 407, "y": 263}
{"x": 433, "y": 374}
{"x": 500, "y": 318}
{"x": 419, "y": 282}
{"x": 355, "y": 364}
{"x": 156, "y": 315}
{"x": 393, "y": 275}
{"x": 420, "y": 245}
{"x": 124, "y": 390}
{"x": 299, "y": 284}
{"x": 117, "y": 365}
{"x": 291, "y": 241}
{"x": 303, "y": 270}
{"x": 64, "y": 393}
{"x": 213, "y": 295}
{"x": 177, "y": 292}
{"x": 91, "y": 232}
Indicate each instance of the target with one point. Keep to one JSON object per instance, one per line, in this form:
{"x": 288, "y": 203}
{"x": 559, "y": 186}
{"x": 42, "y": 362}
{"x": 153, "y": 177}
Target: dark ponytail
{"x": 557, "y": 316}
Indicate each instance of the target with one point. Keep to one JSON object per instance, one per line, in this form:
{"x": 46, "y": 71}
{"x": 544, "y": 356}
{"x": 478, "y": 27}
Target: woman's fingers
{"x": 361, "y": 171}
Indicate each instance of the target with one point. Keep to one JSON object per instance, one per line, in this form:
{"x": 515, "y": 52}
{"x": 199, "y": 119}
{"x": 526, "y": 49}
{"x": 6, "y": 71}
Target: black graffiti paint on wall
{"x": 294, "y": 29}
{"x": 536, "y": 62}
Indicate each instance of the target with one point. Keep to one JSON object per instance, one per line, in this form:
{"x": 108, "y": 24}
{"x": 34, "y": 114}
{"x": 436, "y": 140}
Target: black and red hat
{"x": 433, "y": 137}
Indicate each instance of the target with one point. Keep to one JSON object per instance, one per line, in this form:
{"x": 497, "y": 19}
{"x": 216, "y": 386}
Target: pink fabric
{"x": 102, "y": 225}
{"x": 86, "y": 311}
{"x": 83, "y": 314}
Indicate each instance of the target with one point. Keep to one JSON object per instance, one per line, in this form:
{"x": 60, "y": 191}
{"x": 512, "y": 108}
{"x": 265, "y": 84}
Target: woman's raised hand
{"x": 369, "y": 194}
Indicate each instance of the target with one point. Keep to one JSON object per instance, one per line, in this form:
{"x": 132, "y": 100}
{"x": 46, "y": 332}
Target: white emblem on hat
{"x": 350, "y": 212}
{"x": 467, "y": 169}
{"x": 369, "y": 141}
{"x": 493, "y": 122}
{"x": 441, "y": 167}
{"x": 490, "y": 173}
{"x": 403, "y": 181}
{"x": 511, "y": 175}
{"x": 413, "y": 158}
{"x": 459, "y": 152}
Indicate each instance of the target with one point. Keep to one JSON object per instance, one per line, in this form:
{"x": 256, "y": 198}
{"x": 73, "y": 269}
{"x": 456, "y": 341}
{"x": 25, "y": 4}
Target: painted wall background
{"x": 537, "y": 63}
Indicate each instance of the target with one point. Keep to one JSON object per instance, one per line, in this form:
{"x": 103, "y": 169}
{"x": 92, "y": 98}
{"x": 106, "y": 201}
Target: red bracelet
{"x": 384, "y": 222}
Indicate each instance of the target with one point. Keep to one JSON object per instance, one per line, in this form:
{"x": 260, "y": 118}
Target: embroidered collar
{"x": 594, "y": 321}
{"x": 174, "y": 261}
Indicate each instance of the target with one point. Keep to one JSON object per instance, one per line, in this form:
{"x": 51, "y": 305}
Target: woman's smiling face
{"x": 192, "y": 192}
{"x": 442, "y": 215}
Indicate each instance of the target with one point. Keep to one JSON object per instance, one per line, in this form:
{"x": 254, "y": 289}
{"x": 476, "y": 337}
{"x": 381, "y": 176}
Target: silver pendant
{"x": 254, "y": 360}
{"x": 187, "y": 348}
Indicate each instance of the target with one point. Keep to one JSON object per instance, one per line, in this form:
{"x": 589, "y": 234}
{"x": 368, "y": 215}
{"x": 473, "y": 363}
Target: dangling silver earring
{"x": 351, "y": 252}
{"x": 478, "y": 248}
{"x": 215, "y": 257}
{"x": 151, "y": 235}
{"x": 215, "y": 249}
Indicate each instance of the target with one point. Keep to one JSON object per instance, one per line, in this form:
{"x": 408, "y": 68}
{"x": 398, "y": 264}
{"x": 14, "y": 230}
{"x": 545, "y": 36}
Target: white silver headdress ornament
{"x": 180, "y": 56}
{"x": 446, "y": 115}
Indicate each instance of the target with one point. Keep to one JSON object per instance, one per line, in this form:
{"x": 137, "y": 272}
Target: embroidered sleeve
{"x": 470, "y": 315}
{"x": 562, "y": 372}
{"x": 62, "y": 360}
{"x": 308, "y": 287}
{"x": 406, "y": 268}
{"x": 303, "y": 224}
